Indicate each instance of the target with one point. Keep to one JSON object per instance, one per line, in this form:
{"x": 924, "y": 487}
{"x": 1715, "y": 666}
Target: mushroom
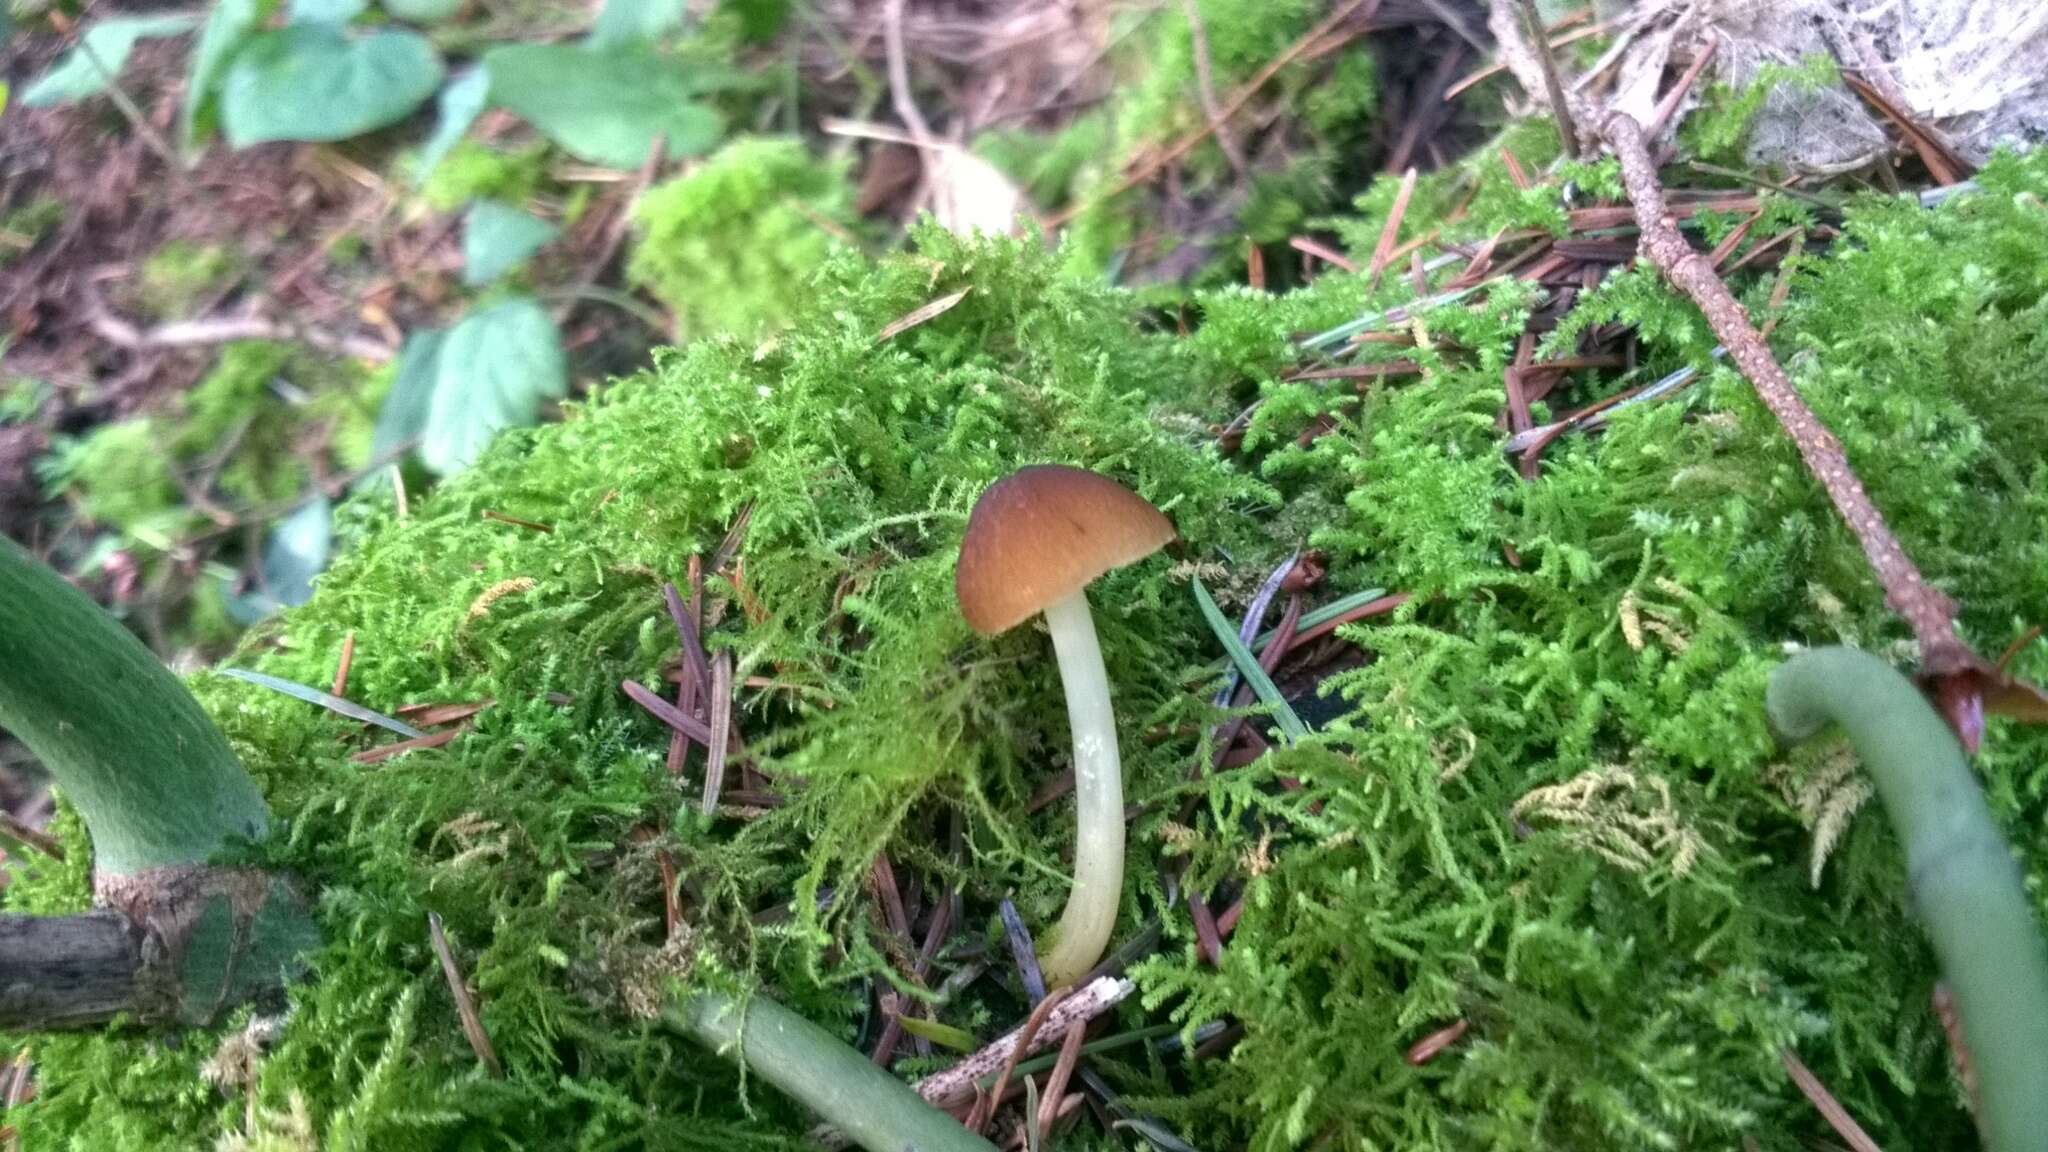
{"x": 1035, "y": 540}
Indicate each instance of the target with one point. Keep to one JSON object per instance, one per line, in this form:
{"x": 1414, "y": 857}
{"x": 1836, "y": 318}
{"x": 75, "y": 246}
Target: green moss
{"x": 118, "y": 473}
{"x": 24, "y": 227}
{"x": 474, "y": 171}
{"x": 1719, "y": 129}
{"x": 180, "y": 272}
{"x": 1547, "y": 804}
{"x": 729, "y": 246}
{"x": 1160, "y": 102}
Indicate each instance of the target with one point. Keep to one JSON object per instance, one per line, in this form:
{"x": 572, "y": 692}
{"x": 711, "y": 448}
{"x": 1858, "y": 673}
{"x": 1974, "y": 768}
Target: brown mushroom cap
{"x": 1043, "y": 533}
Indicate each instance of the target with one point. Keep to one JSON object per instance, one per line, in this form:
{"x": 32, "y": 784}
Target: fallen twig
{"x": 1825, "y": 1103}
{"x": 1926, "y": 609}
{"x": 465, "y": 1004}
{"x": 1146, "y": 169}
{"x": 1084, "y": 1004}
{"x": 222, "y": 330}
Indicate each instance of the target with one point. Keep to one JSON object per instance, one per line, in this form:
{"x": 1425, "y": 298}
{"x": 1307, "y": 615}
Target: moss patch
{"x": 1548, "y": 807}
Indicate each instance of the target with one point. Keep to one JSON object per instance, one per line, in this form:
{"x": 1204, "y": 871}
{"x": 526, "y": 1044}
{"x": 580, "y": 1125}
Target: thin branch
{"x": 223, "y": 330}
{"x": 129, "y": 109}
{"x": 1926, "y": 609}
{"x": 899, "y": 76}
{"x": 1205, "y": 86}
{"x": 1084, "y": 1004}
{"x": 1552, "y": 85}
{"x": 465, "y": 1004}
{"x": 1318, "y": 37}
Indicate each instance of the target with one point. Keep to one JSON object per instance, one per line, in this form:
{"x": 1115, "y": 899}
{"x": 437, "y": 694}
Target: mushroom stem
{"x": 1084, "y": 927}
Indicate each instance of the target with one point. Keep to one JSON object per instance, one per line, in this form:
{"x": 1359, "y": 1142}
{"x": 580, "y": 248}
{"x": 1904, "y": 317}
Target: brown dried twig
{"x": 1319, "y": 37}
{"x": 1926, "y": 609}
{"x": 1552, "y": 83}
{"x": 465, "y": 1004}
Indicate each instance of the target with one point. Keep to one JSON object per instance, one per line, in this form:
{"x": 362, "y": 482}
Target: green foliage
{"x": 90, "y": 67}
{"x": 315, "y": 82}
{"x": 118, "y": 474}
{"x": 1719, "y": 129}
{"x": 1547, "y": 804}
{"x": 604, "y": 106}
{"x": 180, "y": 273}
{"x": 729, "y": 246}
{"x": 1557, "y": 813}
{"x": 492, "y": 371}
{"x": 227, "y": 25}
{"x": 498, "y": 238}
{"x": 1159, "y": 101}
{"x": 858, "y": 462}
{"x": 25, "y": 226}
{"x": 473, "y": 171}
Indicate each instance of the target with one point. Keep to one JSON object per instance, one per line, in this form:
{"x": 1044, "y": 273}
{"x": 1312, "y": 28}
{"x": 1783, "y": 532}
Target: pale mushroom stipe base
{"x": 1034, "y": 542}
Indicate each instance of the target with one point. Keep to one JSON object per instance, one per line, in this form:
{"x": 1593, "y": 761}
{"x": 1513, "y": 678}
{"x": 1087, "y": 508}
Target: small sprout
{"x": 1035, "y": 541}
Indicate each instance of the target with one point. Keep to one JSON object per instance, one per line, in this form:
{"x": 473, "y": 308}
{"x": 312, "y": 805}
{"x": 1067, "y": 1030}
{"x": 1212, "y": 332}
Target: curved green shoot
{"x": 821, "y": 1072}
{"x": 1964, "y": 883}
{"x": 132, "y": 750}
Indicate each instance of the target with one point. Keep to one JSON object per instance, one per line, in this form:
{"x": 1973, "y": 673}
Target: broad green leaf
{"x": 497, "y": 238}
{"x": 462, "y": 101}
{"x": 335, "y": 12}
{"x": 603, "y": 107}
{"x": 634, "y": 22}
{"x": 227, "y": 26}
{"x": 493, "y": 371}
{"x": 423, "y": 11}
{"x": 403, "y": 415}
{"x": 297, "y": 551}
{"x": 311, "y": 82}
{"x": 89, "y": 67}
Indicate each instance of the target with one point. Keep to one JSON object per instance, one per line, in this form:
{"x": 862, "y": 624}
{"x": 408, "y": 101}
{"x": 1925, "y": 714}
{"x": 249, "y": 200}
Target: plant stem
{"x": 131, "y": 749}
{"x": 1925, "y": 608}
{"x": 816, "y": 1069}
{"x": 1084, "y": 927}
{"x": 1966, "y": 888}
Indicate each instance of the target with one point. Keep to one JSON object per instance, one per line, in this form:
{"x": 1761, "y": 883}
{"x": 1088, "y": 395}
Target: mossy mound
{"x": 1549, "y": 808}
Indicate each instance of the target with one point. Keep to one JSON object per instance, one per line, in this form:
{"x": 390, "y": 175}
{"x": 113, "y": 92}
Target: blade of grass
{"x": 327, "y": 700}
{"x": 958, "y": 1039}
{"x": 1248, "y": 666}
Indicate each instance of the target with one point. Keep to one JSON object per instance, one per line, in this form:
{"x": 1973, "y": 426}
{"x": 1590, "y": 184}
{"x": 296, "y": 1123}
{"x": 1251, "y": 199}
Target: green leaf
{"x": 1248, "y": 666}
{"x": 227, "y": 26}
{"x": 492, "y": 372}
{"x": 603, "y": 107}
{"x": 958, "y": 1039}
{"x": 403, "y": 416}
{"x": 310, "y": 82}
{"x": 461, "y": 103}
{"x": 423, "y": 11}
{"x": 335, "y": 12}
{"x": 634, "y": 22}
{"x": 87, "y": 69}
{"x": 297, "y": 551}
{"x": 497, "y": 238}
